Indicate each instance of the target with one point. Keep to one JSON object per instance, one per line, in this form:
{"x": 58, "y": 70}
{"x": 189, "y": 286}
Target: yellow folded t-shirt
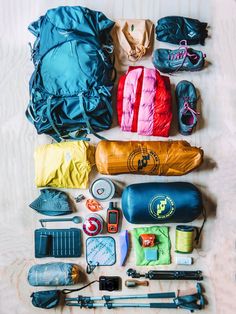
{"x": 64, "y": 165}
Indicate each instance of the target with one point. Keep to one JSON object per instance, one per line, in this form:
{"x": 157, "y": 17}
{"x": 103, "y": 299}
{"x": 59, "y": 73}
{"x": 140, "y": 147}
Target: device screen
{"x": 112, "y": 218}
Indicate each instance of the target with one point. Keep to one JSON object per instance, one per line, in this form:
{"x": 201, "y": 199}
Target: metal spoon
{"x": 75, "y": 219}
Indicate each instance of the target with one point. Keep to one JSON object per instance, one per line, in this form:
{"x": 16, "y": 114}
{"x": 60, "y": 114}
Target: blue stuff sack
{"x": 52, "y": 202}
{"x": 156, "y": 203}
{"x": 70, "y": 88}
{"x": 173, "y": 29}
{"x": 53, "y": 274}
{"x": 46, "y": 299}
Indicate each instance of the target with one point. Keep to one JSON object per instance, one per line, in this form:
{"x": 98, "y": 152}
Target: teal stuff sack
{"x": 156, "y": 203}
{"x": 173, "y": 29}
{"x": 46, "y": 299}
{"x": 70, "y": 88}
{"x": 53, "y": 274}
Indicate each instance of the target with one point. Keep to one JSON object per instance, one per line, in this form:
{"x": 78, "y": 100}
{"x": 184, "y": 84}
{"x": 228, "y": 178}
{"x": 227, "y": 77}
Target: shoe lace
{"x": 188, "y": 107}
{"x": 182, "y": 53}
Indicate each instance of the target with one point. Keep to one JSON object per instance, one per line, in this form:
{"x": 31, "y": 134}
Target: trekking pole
{"x": 109, "y": 305}
{"x": 161, "y": 295}
{"x": 167, "y": 274}
{"x": 190, "y": 300}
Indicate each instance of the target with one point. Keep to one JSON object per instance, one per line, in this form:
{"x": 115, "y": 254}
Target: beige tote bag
{"x": 132, "y": 39}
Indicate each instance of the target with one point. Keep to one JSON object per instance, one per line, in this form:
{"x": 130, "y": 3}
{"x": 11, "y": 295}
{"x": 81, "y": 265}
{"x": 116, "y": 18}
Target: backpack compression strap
{"x": 102, "y": 91}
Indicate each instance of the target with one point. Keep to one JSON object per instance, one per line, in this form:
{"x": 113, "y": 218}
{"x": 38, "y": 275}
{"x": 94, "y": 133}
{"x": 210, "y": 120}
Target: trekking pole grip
{"x": 163, "y": 306}
{"x": 161, "y": 295}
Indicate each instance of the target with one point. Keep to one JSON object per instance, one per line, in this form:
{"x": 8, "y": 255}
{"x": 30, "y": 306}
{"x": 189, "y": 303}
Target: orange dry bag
{"x": 171, "y": 158}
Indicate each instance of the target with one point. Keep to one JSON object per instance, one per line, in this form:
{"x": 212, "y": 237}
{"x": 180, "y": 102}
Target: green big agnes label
{"x": 161, "y": 207}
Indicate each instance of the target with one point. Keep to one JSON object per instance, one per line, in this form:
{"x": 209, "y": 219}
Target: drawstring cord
{"x": 108, "y": 48}
{"x": 28, "y": 110}
{"x": 137, "y": 53}
{"x": 32, "y": 51}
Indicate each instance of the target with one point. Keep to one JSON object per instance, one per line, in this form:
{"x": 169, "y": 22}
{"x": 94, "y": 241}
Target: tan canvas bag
{"x": 132, "y": 39}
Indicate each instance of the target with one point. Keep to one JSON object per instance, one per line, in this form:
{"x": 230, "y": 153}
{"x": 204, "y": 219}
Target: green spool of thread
{"x": 184, "y": 238}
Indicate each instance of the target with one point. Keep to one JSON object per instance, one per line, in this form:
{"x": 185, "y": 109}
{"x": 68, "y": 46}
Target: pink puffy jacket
{"x": 144, "y": 102}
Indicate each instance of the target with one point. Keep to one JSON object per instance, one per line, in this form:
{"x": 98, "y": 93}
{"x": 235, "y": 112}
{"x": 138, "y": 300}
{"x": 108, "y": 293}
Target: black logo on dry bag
{"x": 143, "y": 160}
{"x": 142, "y": 163}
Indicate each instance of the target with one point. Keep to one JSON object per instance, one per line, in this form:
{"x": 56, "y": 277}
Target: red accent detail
{"x": 91, "y": 226}
{"x": 119, "y": 101}
{"x": 163, "y": 106}
{"x": 93, "y": 205}
{"x": 120, "y": 91}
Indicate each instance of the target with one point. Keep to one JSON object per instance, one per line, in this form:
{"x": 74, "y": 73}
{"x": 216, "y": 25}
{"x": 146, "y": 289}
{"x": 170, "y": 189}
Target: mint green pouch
{"x": 163, "y": 245}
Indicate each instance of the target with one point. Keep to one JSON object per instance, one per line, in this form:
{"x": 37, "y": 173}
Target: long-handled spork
{"x": 190, "y": 300}
{"x": 75, "y": 219}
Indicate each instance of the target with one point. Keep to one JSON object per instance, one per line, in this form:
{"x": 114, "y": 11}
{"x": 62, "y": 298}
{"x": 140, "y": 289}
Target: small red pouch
{"x": 147, "y": 240}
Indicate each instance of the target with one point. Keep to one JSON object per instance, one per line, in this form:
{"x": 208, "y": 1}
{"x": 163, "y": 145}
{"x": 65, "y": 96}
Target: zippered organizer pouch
{"x": 57, "y": 242}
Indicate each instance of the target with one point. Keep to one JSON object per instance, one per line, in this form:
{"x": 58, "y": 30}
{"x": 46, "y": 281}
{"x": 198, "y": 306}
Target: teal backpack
{"x": 70, "y": 88}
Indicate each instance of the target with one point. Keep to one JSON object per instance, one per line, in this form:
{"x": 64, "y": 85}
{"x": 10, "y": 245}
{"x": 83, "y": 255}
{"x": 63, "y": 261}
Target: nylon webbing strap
{"x": 58, "y": 137}
{"x": 72, "y": 135}
{"x": 86, "y": 119}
